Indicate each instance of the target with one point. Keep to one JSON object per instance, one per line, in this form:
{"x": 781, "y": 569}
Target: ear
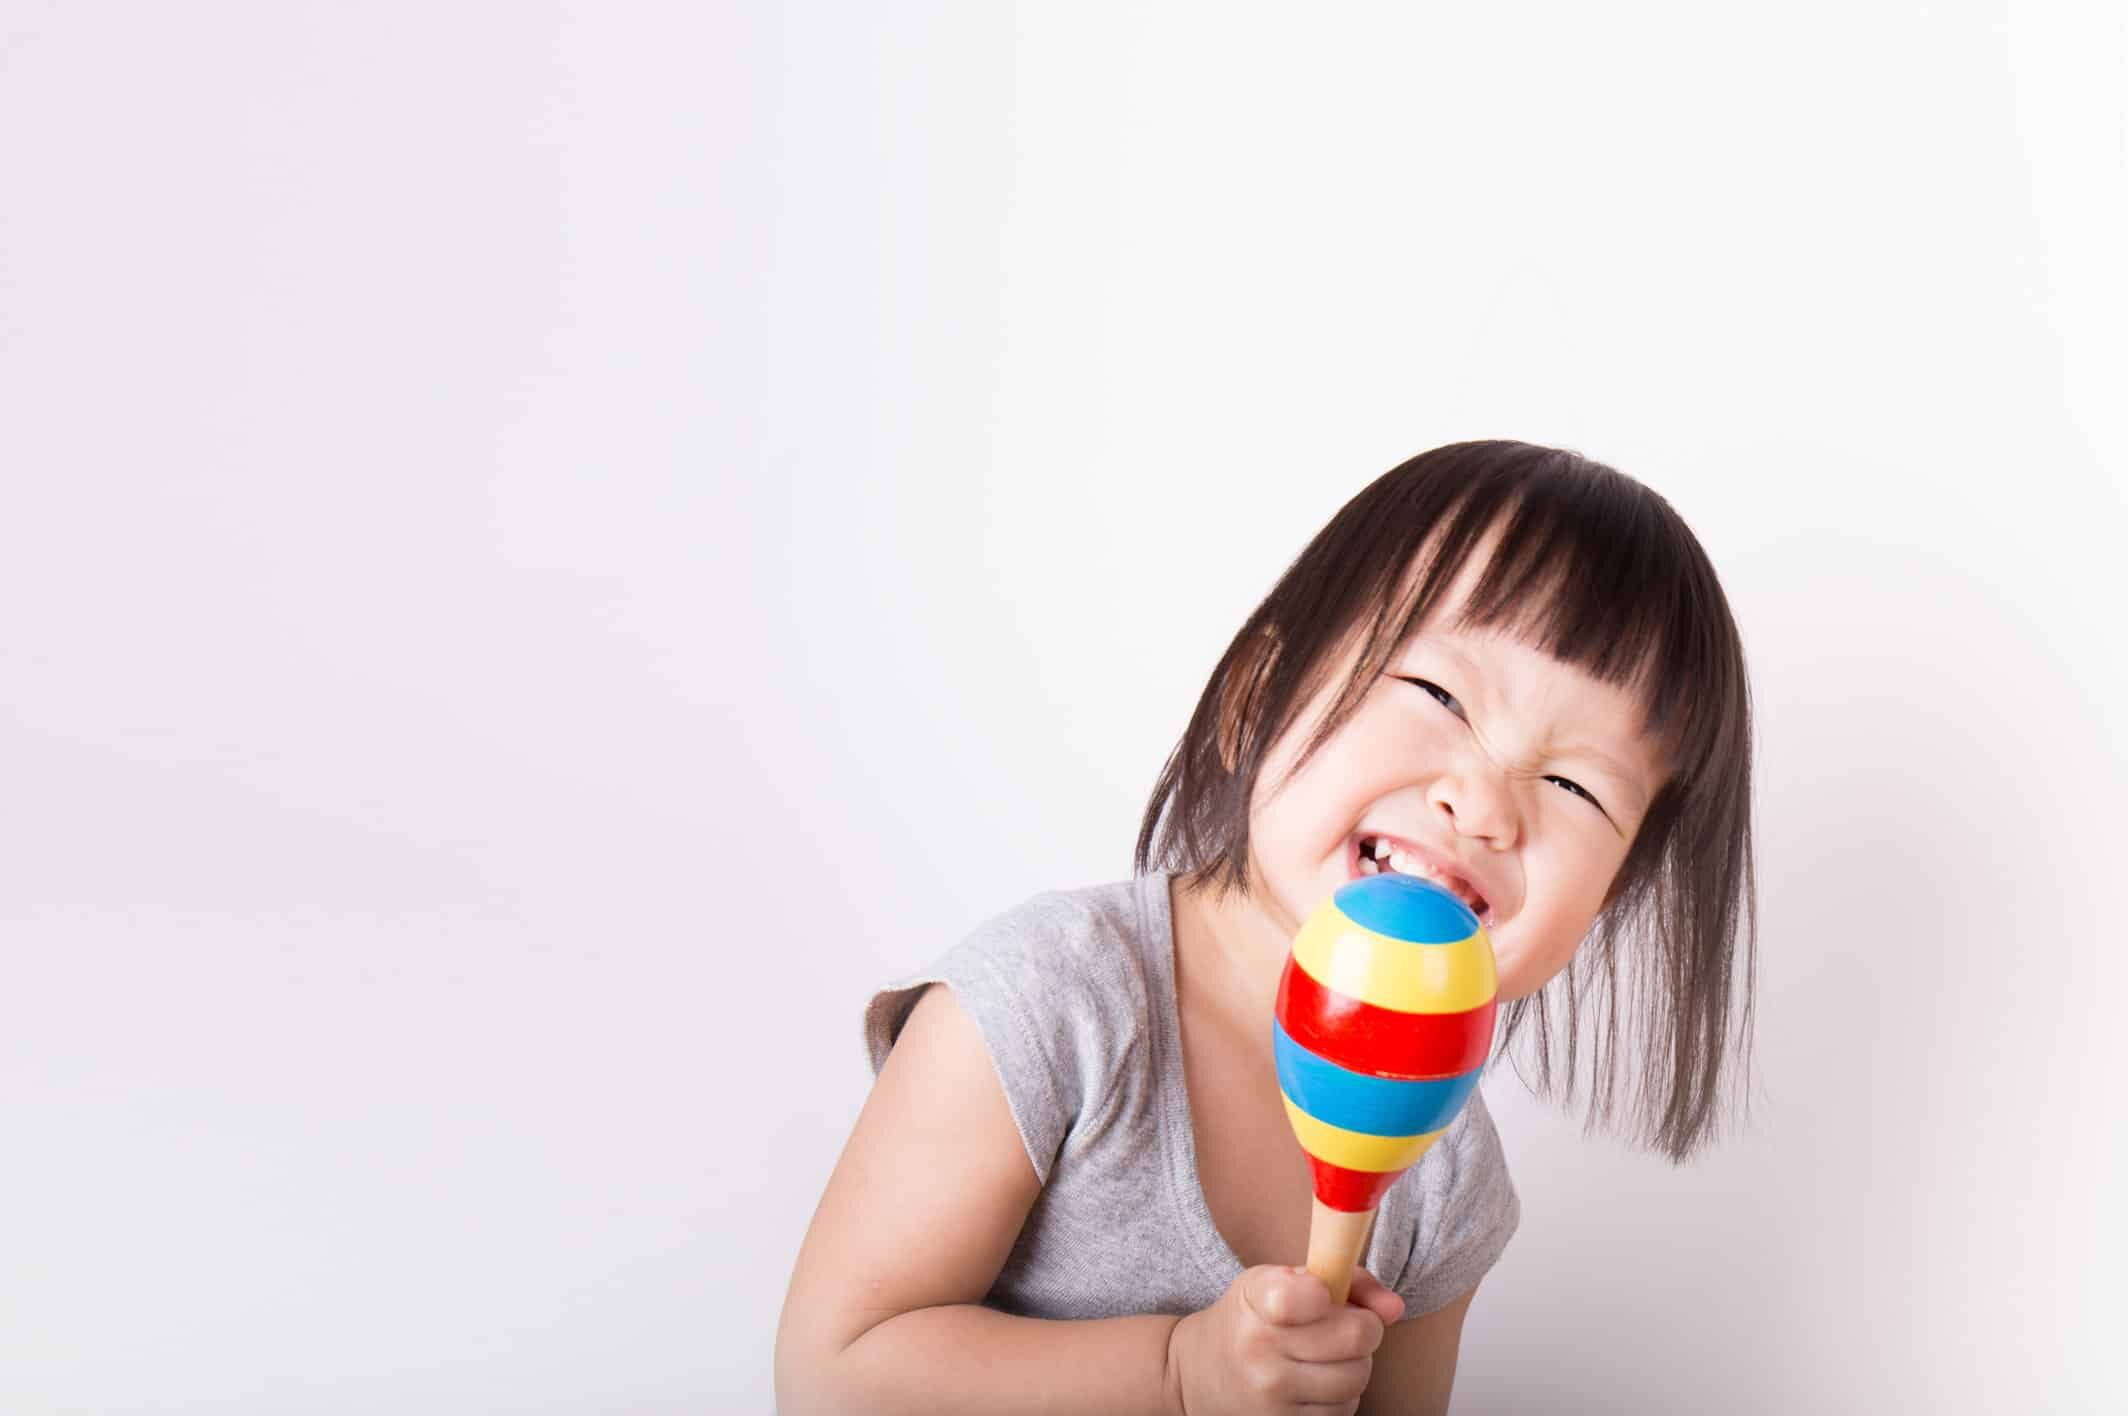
{"x": 1238, "y": 693}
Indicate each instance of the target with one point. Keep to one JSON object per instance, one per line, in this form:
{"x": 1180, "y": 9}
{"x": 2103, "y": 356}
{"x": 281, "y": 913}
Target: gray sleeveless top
{"x": 1074, "y": 993}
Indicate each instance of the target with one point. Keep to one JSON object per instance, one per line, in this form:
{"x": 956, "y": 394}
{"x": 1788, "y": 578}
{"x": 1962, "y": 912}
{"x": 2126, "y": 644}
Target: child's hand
{"x": 1273, "y": 1343}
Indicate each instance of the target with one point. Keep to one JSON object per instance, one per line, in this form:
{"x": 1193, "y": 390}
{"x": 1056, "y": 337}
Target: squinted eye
{"x": 1448, "y": 700}
{"x": 1578, "y": 790}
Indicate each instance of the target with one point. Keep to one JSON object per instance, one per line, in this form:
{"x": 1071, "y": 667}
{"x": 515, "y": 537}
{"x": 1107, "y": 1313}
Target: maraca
{"x": 1383, "y": 1023}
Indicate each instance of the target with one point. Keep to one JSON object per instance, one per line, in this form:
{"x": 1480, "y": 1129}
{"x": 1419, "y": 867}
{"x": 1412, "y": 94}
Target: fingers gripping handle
{"x": 1336, "y": 1239}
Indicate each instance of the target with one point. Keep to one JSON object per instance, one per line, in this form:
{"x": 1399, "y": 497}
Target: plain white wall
{"x": 546, "y": 549}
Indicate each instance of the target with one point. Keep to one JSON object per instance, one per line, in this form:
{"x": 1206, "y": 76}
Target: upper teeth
{"x": 1381, "y": 852}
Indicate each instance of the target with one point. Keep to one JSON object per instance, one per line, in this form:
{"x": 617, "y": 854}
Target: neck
{"x": 1228, "y": 957}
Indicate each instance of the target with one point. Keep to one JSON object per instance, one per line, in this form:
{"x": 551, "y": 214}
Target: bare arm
{"x": 1415, "y": 1367}
{"x": 883, "y": 1313}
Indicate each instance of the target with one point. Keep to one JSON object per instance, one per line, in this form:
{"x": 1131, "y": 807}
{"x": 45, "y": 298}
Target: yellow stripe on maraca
{"x": 1390, "y": 973}
{"x": 1356, "y": 1150}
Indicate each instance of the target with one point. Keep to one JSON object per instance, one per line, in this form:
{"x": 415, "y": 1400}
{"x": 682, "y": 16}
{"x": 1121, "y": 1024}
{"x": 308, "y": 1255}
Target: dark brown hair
{"x": 1599, "y": 572}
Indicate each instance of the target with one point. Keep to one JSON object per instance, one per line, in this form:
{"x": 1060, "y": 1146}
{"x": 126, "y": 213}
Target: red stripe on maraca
{"x": 1382, "y": 1042}
{"x": 1350, "y": 1190}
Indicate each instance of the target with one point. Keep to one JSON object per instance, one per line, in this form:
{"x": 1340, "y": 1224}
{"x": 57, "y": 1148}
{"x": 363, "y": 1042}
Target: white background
{"x": 548, "y": 548}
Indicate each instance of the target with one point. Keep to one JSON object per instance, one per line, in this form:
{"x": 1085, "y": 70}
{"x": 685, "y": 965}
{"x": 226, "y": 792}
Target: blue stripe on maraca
{"x": 1377, "y": 1106}
{"x": 1406, "y": 907}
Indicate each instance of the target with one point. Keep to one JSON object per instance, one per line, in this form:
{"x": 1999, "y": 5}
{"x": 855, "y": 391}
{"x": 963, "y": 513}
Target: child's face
{"x": 1479, "y": 784}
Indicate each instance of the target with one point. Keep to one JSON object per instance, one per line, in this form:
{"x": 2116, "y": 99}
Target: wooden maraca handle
{"x": 1336, "y": 1239}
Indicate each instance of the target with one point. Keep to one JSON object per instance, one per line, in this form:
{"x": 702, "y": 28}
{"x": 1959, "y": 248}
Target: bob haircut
{"x": 1597, "y": 571}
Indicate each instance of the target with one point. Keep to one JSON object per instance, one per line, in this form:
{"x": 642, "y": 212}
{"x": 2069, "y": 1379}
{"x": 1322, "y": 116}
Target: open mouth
{"x": 1379, "y": 855}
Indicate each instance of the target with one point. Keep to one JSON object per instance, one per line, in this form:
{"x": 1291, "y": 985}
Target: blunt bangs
{"x": 1589, "y": 567}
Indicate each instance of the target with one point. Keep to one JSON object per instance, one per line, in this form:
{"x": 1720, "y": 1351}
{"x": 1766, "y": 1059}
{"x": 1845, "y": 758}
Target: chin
{"x": 1513, "y": 977}
{"x": 1507, "y": 979}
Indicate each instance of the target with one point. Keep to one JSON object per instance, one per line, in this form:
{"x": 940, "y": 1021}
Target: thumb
{"x": 1369, "y": 1293}
{"x": 1286, "y": 1297}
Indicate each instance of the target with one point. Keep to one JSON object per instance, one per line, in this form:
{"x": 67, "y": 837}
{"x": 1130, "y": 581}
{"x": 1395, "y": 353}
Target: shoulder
{"x": 1081, "y": 920}
{"x": 1058, "y": 950}
{"x": 1059, "y": 988}
{"x": 1071, "y": 942}
{"x": 1462, "y": 1211}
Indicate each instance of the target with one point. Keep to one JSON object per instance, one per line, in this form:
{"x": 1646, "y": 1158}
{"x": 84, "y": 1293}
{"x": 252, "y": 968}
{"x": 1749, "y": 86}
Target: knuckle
{"x": 1352, "y": 1381}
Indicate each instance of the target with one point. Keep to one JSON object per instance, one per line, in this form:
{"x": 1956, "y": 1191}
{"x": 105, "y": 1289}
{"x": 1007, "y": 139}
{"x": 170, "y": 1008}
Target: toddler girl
{"x": 1074, "y": 1186}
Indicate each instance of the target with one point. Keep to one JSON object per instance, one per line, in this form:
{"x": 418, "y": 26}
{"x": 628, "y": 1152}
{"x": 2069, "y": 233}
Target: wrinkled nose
{"x": 1475, "y": 802}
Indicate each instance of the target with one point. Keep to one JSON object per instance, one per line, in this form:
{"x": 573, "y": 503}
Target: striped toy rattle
{"x": 1382, "y": 1027}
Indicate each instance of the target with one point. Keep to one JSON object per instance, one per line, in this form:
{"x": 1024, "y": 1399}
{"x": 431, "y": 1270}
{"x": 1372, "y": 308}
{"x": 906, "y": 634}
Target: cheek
{"x": 1313, "y": 783}
{"x": 1567, "y": 876}
{"x": 1582, "y": 882}
{"x": 1386, "y": 747}
{"x": 1353, "y": 772}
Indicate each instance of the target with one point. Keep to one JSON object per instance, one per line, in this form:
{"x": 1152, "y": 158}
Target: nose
{"x": 1476, "y": 802}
